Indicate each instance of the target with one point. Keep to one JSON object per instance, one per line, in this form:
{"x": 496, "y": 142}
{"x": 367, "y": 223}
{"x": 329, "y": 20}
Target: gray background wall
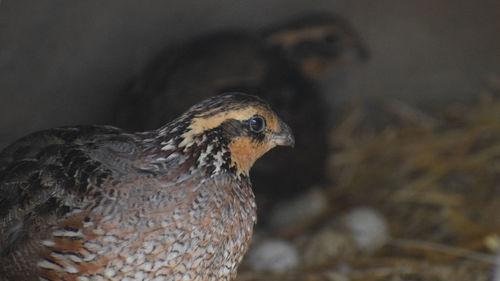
{"x": 60, "y": 60}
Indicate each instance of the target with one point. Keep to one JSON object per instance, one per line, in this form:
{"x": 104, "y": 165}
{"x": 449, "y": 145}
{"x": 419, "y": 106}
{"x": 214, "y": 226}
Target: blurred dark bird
{"x": 101, "y": 203}
{"x": 281, "y": 65}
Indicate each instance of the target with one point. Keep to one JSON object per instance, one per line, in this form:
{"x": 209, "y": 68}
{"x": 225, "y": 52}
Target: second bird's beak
{"x": 284, "y": 137}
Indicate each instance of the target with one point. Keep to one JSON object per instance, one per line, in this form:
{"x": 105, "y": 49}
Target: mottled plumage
{"x": 100, "y": 203}
{"x": 282, "y": 65}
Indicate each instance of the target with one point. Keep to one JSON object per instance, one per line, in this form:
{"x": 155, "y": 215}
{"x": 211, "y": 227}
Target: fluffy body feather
{"x": 99, "y": 203}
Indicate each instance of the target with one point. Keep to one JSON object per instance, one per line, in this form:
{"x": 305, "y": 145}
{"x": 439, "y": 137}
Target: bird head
{"x": 316, "y": 42}
{"x": 226, "y": 133}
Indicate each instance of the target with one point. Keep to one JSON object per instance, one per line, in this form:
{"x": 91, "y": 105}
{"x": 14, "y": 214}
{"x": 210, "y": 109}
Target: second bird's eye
{"x": 257, "y": 124}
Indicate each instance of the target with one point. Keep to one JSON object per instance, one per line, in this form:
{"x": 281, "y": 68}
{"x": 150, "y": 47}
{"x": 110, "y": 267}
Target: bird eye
{"x": 257, "y": 124}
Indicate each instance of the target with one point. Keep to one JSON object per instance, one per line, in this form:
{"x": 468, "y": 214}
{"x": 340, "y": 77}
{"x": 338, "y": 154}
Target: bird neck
{"x": 206, "y": 152}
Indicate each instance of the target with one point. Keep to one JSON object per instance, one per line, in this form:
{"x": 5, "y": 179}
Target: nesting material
{"x": 299, "y": 211}
{"x": 326, "y": 246}
{"x": 368, "y": 228}
{"x": 433, "y": 180}
{"x": 273, "y": 255}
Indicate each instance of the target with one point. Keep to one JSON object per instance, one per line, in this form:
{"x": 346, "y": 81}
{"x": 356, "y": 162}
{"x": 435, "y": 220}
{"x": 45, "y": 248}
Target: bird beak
{"x": 284, "y": 137}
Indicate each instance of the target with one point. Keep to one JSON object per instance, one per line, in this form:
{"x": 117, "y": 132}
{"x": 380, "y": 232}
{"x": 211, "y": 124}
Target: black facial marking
{"x": 232, "y": 128}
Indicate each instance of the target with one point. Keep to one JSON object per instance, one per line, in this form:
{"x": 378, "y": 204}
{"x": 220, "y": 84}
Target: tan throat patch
{"x": 244, "y": 153}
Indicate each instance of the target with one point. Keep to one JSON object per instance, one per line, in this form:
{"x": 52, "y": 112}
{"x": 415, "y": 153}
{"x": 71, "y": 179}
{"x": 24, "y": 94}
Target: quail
{"x": 101, "y": 203}
{"x": 282, "y": 64}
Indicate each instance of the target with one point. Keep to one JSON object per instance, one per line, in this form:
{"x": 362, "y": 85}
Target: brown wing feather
{"x": 43, "y": 177}
{"x": 82, "y": 202}
{"x": 170, "y": 232}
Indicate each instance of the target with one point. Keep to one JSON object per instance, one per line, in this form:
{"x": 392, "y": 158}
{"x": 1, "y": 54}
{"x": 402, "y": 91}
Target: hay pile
{"x": 435, "y": 179}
